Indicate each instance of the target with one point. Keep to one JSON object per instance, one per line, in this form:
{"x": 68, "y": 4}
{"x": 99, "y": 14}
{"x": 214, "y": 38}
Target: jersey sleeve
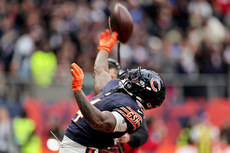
{"x": 131, "y": 116}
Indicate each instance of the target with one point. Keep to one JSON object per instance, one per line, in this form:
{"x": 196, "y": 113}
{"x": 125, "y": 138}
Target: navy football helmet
{"x": 145, "y": 86}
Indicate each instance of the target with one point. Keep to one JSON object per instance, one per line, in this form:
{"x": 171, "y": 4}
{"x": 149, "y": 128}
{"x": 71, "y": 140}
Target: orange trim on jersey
{"x": 134, "y": 125}
{"x": 123, "y": 108}
{"x": 135, "y": 112}
{"x": 131, "y": 110}
{"x": 139, "y": 123}
{"x": 79, "y": 115}
{"x": 95, "y": 101}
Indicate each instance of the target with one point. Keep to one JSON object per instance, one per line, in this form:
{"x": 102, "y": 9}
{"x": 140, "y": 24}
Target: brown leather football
{"x": 122, "y": 22}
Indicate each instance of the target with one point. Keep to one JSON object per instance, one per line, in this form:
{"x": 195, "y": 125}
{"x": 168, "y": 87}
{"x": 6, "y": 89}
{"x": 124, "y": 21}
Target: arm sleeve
{"x": 140, "y": 136}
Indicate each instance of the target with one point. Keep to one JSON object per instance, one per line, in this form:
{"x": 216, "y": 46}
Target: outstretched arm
{"x": 101, "y": 75}
{"x": 102, "y": 121}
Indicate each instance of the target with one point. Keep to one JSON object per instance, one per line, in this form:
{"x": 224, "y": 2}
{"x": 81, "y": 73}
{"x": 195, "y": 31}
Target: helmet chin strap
{"x": 137, "y": 98}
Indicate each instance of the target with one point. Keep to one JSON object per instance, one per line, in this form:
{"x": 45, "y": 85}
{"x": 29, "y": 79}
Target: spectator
{"x": 24, "y": 48}
{"x": 184, "y": 142}
{"x": 204, "y": 134}
{"x": 25, "y": 135}
{"x": 7, "y": 42}
{"x": 6, "y": 135}
{"x": 43, "y": 67}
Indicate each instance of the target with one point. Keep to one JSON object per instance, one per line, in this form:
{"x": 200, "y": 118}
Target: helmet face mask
{"x": 145, "y": 86}
{"x": 132, "y": 75}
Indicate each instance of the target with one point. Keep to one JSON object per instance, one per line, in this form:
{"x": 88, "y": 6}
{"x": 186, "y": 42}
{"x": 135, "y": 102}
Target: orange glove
{"x": 78, "y": 77}
{"x": 106, "y": 42}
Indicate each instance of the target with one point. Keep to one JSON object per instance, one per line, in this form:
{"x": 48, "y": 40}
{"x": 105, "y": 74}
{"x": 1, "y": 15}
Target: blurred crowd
{"x": 39, "y": 39}
{"x": 184, "y": 36}
{"x": 195, "y": 134}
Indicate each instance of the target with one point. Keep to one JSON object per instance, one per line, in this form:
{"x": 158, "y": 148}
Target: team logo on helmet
{"x": 158, "y": 85}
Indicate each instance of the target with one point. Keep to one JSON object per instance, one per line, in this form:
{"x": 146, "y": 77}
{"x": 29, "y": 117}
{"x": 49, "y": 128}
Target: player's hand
{"x": 124, "y": 139}
{"x": 107, "y": 42}
{"x": 78, "y": 77}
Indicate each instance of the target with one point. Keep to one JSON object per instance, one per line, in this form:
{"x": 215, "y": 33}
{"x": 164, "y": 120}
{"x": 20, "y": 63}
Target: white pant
{"x": 69, "y": 146}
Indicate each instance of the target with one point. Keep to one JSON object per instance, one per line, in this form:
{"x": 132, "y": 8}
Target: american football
{"x": 121, "y": 21}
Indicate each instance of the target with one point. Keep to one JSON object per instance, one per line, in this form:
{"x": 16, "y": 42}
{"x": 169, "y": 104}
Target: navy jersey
{"x": 81, "y": 132}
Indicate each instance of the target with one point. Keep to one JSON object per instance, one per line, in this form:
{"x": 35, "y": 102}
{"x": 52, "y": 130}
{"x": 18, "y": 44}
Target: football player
{"x": 127, "y": 143}
{"x": 117, "y": 107}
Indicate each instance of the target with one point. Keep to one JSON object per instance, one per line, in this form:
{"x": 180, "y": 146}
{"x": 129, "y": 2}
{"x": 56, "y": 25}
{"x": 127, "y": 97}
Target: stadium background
{"x": 187, "y": 41}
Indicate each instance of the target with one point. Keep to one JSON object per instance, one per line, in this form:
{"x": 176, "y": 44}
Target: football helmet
{"x": 145, "y": 86}
{"x": 114, "y": 64}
